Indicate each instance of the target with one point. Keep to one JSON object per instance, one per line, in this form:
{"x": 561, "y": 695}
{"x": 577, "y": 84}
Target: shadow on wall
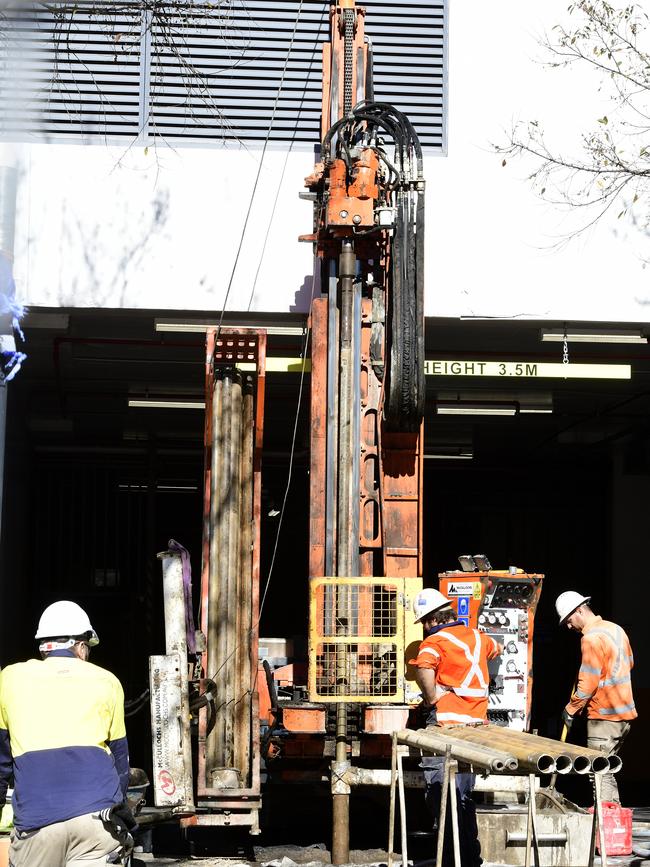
{"x": 309, "y": 290}
{"x": 104, "y": 279}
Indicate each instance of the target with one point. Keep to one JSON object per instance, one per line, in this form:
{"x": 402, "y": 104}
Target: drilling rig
{"x": 365, "y": 545}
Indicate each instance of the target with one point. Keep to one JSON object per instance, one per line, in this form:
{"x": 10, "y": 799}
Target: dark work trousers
{"x": 470, "y": 848}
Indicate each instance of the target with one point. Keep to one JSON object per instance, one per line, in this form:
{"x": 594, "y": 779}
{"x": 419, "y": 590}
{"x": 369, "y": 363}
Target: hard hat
{"x": 65, "y": 619}
{"x": 567, "y": 602}
{"x": 428, "y": 600}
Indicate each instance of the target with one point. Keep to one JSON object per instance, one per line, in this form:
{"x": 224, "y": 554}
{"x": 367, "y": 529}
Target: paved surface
{"x": 318, "y": 856}
{"x": 150, "y": 861}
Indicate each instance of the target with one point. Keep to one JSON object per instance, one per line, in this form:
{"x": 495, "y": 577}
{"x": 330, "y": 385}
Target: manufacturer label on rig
{"x": 166, "y": 734}
{"x": 463, "y": 588}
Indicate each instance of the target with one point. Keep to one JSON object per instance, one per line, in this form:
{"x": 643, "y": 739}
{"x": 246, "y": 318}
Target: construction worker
{"x": 452, "y": 674}
{"x": 603, "y": 685}
{"x": 62, "y": 738}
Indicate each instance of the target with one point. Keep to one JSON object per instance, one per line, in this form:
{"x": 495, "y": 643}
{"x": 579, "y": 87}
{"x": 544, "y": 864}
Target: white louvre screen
{"x": 193, "y": 72}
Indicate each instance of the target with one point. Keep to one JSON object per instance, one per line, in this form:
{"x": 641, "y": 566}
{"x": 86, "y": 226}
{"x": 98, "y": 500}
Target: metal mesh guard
{"x": 356, "y": 648}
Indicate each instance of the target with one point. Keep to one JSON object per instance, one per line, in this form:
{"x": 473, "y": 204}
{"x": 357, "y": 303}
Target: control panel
{"x": 501, "y": 604}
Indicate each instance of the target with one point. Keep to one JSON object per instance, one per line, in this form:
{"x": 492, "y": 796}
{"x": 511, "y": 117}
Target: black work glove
{"x": 121, "y": 816}
{"x": 567, "y": 719}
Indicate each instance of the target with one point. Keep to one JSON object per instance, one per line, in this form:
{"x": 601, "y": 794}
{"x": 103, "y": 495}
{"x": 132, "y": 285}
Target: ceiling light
{"x": 168, "y": 404}
{"x": 203, "y": 325}
{"x": 534, "y": 409}
{"x": 460, "y": 456}
{"x": 558, "y": 335}
{"x": 475, "y": 409}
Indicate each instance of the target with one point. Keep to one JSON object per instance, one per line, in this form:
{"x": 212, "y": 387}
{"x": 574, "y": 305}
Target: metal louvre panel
{"x": 212, "y": 72}
{"x": 77, "y": 76}
{"x": 240, "y": 60}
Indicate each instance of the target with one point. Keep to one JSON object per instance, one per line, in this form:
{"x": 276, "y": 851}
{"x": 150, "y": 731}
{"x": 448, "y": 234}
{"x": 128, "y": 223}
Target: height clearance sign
{"x": 527, "y": 369}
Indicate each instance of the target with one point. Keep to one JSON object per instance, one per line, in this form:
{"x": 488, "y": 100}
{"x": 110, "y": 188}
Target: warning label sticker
{"x": 464, "y": 588}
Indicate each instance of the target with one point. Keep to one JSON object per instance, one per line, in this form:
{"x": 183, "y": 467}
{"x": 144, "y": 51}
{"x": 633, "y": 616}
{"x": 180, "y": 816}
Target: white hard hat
{"x": 567, "y": 602}
{"x": 65, "y": 620}
{"x": 428, "y": 600}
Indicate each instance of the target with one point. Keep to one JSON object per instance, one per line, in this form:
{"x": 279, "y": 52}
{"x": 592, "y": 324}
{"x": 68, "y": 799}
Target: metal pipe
{"x": 466, "y": 753}
{"x": 442, "y": 815}
{"x": 243, "y": 683}
{"x": 231, "y": 578}
{"x": 523, "y": 744}
{"x": 214, "y": 637}
{"x": 564, "y": 764}
{"x": 527, "y": 754}
{"x": 547, "y": 745}
{"x": 581, "y": 765}
{"x": 347, "y": 543}
{"x": 615, "y": 764}
{"x": 348, "y": 486}
{"x": 331, "y": 441}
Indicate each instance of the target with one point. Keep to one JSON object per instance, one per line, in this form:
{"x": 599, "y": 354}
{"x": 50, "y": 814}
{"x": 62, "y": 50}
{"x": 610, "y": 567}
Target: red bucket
{"x": 617, "y": 822}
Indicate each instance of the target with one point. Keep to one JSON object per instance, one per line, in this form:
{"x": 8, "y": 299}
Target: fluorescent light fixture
{"x": 529, "y": 410}
{"x": 202, "y": 325}
{"x": 460, "y": 456}
{"x": 558, "y": 335}
{"x": 475, "y": 409}
{"x": 156, "y": 403}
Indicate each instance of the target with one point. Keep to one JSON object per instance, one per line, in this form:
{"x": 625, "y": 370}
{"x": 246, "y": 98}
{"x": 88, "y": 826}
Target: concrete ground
{"x": 318, "y": 856}
{"x": 357, "y": 860}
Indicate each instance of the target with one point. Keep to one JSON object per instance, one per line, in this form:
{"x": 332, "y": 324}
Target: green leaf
{"x": 603, "y": 120}
{"x": 146, "y": 151}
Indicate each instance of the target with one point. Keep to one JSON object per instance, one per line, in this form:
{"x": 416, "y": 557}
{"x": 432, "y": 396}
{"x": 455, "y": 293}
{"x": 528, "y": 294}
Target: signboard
{"x": 498, "y": 369}
{"x": 527, "y": 369}
{"x": 464, "y": 588}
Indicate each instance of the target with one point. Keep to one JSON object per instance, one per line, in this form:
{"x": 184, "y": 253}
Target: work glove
{"x": 567, "y": 719}
{"x": 121, "y": 817}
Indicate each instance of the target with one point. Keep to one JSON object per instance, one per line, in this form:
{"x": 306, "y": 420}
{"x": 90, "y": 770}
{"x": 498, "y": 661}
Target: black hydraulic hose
{"x": 419, "y": 290}
{"x": 406, "y": 124}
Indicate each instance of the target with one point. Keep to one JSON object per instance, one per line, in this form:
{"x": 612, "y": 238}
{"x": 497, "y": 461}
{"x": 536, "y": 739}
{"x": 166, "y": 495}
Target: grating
{"x": 357, "y": 643}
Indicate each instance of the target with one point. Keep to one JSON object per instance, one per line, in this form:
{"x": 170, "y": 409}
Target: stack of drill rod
{"x": 502, "y": 750}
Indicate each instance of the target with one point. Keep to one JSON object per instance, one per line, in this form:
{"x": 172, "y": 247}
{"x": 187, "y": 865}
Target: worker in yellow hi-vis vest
{"x": 62, "y": 738}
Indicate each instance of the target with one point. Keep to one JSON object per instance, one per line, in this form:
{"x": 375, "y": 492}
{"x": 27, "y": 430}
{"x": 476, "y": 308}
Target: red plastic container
{"x": 618, "y": 829}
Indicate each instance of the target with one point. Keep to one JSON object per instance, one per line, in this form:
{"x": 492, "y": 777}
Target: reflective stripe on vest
{"x": 474, "y": 670}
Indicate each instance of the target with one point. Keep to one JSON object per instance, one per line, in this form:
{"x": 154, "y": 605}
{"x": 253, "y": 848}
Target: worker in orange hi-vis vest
{"x": 453, "y": 676}
{"x": 604, "y": 684}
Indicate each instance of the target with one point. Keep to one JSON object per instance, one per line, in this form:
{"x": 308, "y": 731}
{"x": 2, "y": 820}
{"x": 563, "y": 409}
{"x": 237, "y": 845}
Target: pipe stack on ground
{"x": 485, "y": 757}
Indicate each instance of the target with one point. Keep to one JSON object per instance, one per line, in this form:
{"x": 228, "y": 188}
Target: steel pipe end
{"x": 512, "y": 764}
{"x": 581, "y": 765}
{"x": 615, "y": 764}
{"x": 546, "y": 764}
{"x": 498, "y": 765}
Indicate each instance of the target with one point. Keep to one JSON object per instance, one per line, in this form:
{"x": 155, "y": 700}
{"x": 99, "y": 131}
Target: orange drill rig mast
{"x": 368, "y": 393}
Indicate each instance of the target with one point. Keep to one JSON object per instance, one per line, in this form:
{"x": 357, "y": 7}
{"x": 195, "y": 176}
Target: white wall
{"x": 114, "y": 226}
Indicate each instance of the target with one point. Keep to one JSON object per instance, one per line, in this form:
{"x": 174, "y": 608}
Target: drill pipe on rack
{"x": 585, "y": 760}
{"x": 533, "y": 757}
{"x": 532, "y": 749}
{"x": 480, "y": 756}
